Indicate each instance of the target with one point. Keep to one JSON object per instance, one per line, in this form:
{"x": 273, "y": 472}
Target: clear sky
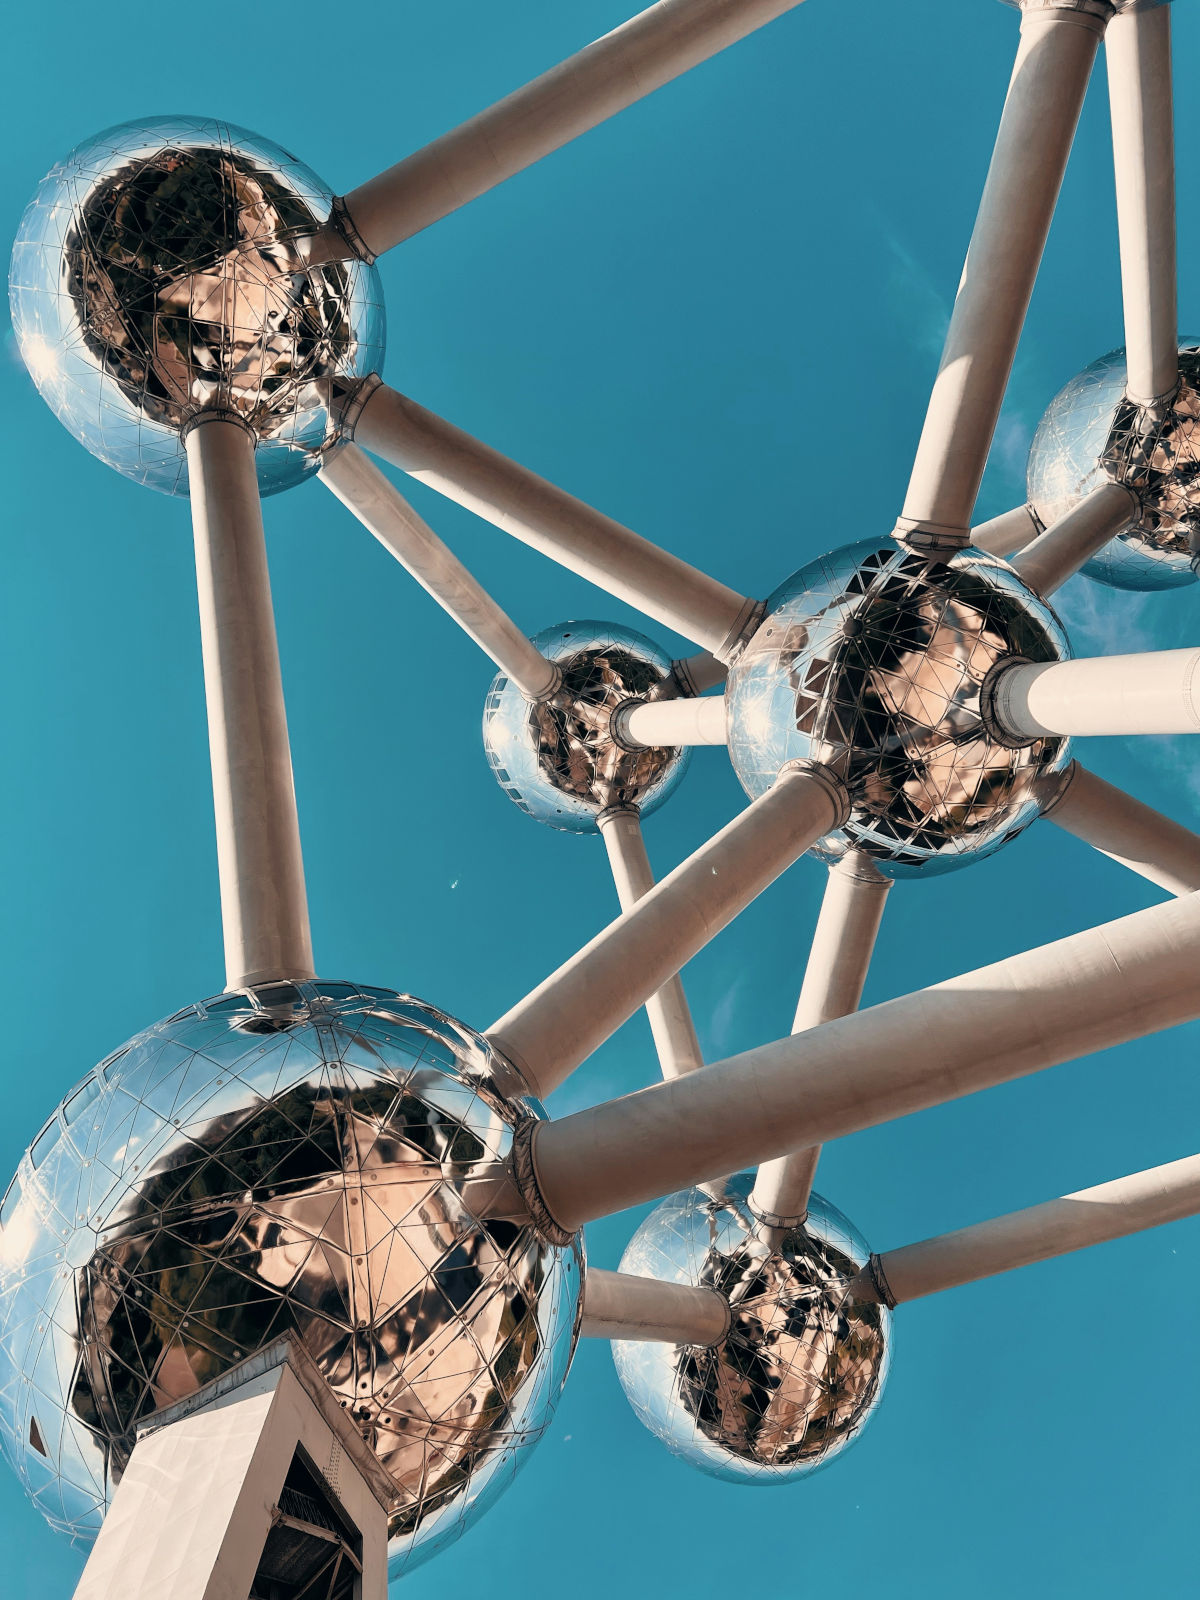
{"x": 717, "y": 318}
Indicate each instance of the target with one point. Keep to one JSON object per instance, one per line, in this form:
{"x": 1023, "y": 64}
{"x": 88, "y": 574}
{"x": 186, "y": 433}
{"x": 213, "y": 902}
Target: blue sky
{"x": 717, "y": 317}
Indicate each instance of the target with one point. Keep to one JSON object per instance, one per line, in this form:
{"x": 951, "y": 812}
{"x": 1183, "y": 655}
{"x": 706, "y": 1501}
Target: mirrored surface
{"x": 871, "y": 660}
{"x": 1090, "y": 434}
{"x": 287, "y": 1158}
{"x": 163, "y": 270}
{"x": 557, "y": 758}
{"x": 803, "y": 1367}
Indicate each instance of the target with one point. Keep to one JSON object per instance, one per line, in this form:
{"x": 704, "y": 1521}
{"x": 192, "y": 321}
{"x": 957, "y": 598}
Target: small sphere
{"x": 557, "y": 758}
{"x": 1091, "y": 434}
{"x": 161, "y": 271}
{"x": 803, "y": 1367}
{"x": 871, "y": 661}
{"x": 291, "y": 1157}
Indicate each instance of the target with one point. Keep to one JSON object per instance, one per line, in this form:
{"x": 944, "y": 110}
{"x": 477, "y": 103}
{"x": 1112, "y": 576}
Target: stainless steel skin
{"x": 286, "y": 1157}
{"x": 557, "y": 758}
{"x": 803, "y": 1366}
{"x": 871, "y": 660}
{"x": 163, "y": 270}
{"x": 1091, "y": 433}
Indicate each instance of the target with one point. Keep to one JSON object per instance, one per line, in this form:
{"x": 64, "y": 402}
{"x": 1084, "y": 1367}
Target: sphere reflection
{"x": 1091, "y": 434}
{"x": 162, "y": 270}
{"x": 557, "y": 758}
{"x": 803, "y": 1366}
{"x": 288, "y": 1158}
{"x": 872, "y": 661}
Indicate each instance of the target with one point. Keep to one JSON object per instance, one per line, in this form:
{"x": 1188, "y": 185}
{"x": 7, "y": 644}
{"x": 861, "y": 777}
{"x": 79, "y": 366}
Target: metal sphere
{"x": 557, "y": 758}
{"x": 803, "y": 1367}
{"x": 872, "y": 661}
{"x": 1091, "y": 434}
{"x": 286, "y": 1158}
{"x": 161, "y": 271}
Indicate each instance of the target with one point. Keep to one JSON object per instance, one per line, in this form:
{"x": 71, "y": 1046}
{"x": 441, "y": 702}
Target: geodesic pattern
{"x": 872, "y": 661}
{"x": 1091, "y": 434}
{"x": 557, "y": 758}
{"x": 287, "y": 1158}
{"x": 162, "y": 270}
{"x": 803, "y": 1366}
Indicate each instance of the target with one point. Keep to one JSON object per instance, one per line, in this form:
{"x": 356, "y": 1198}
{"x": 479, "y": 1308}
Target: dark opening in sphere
{"x": 872, "y": 660}
{"x": 803, "y": 1366}
{"x": 283, "y": 1159}
{"x": 162, "y": 271}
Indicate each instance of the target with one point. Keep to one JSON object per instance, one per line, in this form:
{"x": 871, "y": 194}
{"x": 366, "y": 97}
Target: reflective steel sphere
{"x": 161, "y": 271}
{"x": 803, "y": 1366}
{"x": 284, "y": 1158}
{"x": 1091, "y": 433}
{"x": 872, "y": 660}
{"x": 557, "y": 758}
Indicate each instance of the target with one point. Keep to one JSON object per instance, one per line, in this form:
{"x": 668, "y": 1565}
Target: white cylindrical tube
{"x": 667, "y": 1010}
{"x": 586, "y": 89}
{"x": 1009, "y": 532}
{"x": 639, "y": 724}
{"x": 851, "y": 910}
{"x": 618, "y": 1305}
{"x": 561, "y": 527}
{"x": 1087, "y": 992}
{"x": 550, "y": 1031}
{"x": 1127, "y": 831}
{"x": 695, "y": 674}
{"x": 1050, "y": 78}
{"x": 1154, "y": 692}
{"x": 1090, "y": 1216}
{"x": 1138, "y": 47}
{"x": 264, "y": 909}
{"x": 1049, "y": 561}
{"x": 383, "y": 511}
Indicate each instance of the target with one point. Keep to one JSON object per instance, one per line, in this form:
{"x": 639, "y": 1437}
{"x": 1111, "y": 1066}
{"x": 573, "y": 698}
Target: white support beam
{"x": 618, "y": 1305}
{"x": 639, "y": 725}
{"x": 550, "y": 1031}
{"x": 578, "y": 94}
{"x": 1138, "y": 47}
{"x": 264, "y": 909}
{"x": 667, "y": 1009}
{"x": 1095, "y": 989}
{"x": 1128, "y": 832}
{"x": 1074, "y": 539}
{"x": 1156, "y": 691}
{"x": 1049, "y": 80}
{"x": 383, "y": 511}
{"x": 1009, "y": 532}
{"x": 695, "y": 674}
{"x": 197, "y": 1514}
{"x": 843, "y": 942}
{"x": 1076, "y": 1221}
{"x": 611, "y": 556}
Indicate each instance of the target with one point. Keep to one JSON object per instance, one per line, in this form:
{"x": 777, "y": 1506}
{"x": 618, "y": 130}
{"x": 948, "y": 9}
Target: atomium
{"x": 350, "y": 1166}
{"x": 557, "y": 758}
{"x": 287, "y": 1158}
{"x": 872, "y": 661}
{"x": 1091, "y": 434}
{"x": 802, "y": 1368}
{"x": 165, "y": 270}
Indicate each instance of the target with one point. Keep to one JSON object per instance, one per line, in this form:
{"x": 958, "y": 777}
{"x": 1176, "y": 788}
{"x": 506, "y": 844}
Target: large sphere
{"x": 557, "y": 758}
{"x": 1091, "y": 434}
{"x": 803, "y": 1366}
{"x": 285, "y": 1158}
{"x": 872, "y": 660}
{"x": 160, "y": 271}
